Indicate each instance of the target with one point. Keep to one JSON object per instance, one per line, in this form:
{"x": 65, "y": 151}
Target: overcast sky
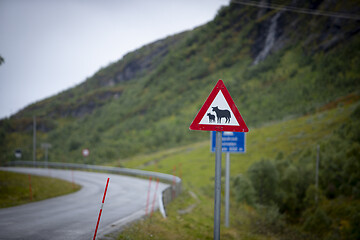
{"x": 52, "y": 45}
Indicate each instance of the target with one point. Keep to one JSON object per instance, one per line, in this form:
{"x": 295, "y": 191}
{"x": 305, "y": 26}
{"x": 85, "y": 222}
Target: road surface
{"x": 74, "y": 216}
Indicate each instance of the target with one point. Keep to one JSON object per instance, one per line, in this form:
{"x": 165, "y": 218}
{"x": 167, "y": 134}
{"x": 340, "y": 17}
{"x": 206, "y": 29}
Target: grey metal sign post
{"x": 46, "y": 146}
{"x": 217, "y": 205}
{"x": 232, "y": 142}
{"x": 227, "y": 189}
{"x": 34, "y": 139}
{"x": 219, "y": 113}
{"x": 85, "y": 152}
{"x": 317, "y": 173}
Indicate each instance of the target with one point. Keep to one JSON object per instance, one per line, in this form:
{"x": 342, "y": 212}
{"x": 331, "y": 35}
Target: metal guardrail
{"x": 167, "y": 195}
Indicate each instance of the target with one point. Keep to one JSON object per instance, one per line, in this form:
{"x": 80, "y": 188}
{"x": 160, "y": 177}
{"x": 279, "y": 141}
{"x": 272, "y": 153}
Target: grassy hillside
{"x": 295, "y": 79}
{"x": 15, "y": 189}
{"x": 146, "y": 101}
{"x": 290, "y": 145}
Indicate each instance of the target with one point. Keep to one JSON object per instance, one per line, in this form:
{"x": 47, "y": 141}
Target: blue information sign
{"x": 232, "y": 142}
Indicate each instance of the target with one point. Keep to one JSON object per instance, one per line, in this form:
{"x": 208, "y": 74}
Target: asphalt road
{"x": 74, "y": 216}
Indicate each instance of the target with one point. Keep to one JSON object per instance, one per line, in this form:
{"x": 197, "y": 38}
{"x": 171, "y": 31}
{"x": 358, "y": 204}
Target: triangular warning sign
{"x": 219, "y": 113}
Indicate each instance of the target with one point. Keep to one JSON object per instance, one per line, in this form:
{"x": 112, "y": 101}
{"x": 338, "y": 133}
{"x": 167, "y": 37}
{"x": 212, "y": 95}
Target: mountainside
{"x": 276, "y": 64}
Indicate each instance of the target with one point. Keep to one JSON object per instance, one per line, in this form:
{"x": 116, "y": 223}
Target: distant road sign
{"x": 219, "y": 113}
{"x": 18, "y": 153}
{"x": 85, "y": 152}
{"x": 232, "y": 142}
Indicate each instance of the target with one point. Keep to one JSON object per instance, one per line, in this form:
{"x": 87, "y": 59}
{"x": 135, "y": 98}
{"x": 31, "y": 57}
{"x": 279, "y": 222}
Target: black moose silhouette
{"x": 222, "y": 114}
{"x": 211, "y": 117}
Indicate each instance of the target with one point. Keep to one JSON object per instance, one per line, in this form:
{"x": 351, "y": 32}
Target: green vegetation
{"x": 145, "y": 101}
{"x": 136, "y": 113}
{"x": 286, "y": 209}
{"x": 15, "y": 190}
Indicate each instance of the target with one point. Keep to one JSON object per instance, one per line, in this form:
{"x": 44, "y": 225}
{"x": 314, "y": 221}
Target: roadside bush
{"x": 244, "y": 190}
{"x": 264, "y": 178}
{"x": 269, "y": 220}
{"x": 354, "y": 231}
{"x": 316, "y": 222}
{"x": 311, "y": 195}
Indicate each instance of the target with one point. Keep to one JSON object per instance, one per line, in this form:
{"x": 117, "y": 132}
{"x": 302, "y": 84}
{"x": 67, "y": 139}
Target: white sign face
{"x": 85, "y": 152}
{"x": 219, "y": 113}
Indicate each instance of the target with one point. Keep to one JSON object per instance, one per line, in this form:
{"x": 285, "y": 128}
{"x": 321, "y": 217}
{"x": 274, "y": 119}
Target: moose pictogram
{"x": 222, "y": 114}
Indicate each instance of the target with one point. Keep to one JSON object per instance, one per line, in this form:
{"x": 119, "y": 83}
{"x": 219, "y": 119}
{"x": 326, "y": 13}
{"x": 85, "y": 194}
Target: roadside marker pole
{"x": 30, "y": 190}
{"x": 102, "y": 205}
{"x": 180, "y": 171}
{"x": 174, "y": 181}
{"x": 153, "y": 204}
{"x": 217, "y": 205}
{"x": 148, "y": 197}
{"x": 72, "y": 179}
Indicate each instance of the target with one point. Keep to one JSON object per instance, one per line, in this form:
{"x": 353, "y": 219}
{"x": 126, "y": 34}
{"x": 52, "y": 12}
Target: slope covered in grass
{"x": 145, "y": 101}
{"x": 278, "y": 142}
{"x": 15, "y": 188}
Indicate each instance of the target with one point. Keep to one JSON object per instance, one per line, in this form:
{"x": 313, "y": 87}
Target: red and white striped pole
{"x": 30, "y": 189}
{"x": 148, "y": 197}
{"x": 153, "y": 204}
{"x": 174, "y": 183}
{"x": 102, "y": 205}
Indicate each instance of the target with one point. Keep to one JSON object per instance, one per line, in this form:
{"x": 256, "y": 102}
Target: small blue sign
{"x": 232, "y": 142}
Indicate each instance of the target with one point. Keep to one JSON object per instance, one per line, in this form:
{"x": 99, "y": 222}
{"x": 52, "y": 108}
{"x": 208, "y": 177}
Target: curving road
{"x": 74, "y": 216}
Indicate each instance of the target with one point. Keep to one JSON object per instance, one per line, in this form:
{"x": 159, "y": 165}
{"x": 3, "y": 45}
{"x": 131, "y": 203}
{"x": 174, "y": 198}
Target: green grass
{"x": 195, "y": 164}
{"x": 15, "y": 189}
{"x": 198, "y": 224}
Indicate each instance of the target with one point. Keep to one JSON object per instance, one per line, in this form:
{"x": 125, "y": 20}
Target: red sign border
{"x": 85, "y": 149}
{"x": 211, "y": 127}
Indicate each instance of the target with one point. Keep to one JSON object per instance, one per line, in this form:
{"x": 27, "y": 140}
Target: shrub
{"x": 269, "y": 220}
{"x": 317, "y": 222}
{"x": 264, "y": 178}
{"x": 244, "y": 190}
